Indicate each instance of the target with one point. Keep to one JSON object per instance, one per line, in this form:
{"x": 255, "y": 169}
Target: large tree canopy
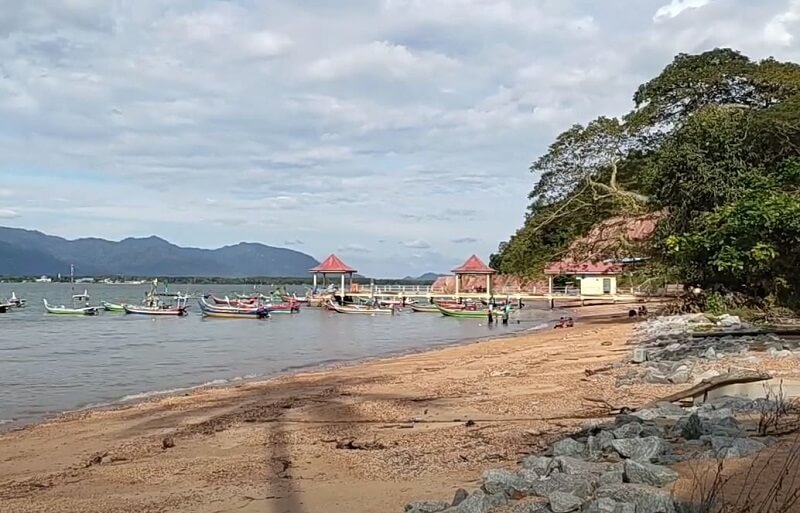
{"x": 714, "y": 142}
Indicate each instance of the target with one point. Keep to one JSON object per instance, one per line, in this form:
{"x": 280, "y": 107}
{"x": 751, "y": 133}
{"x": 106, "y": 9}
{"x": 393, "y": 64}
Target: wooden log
{"x": 707, "y": 385}
{"x": 592, "y": 372}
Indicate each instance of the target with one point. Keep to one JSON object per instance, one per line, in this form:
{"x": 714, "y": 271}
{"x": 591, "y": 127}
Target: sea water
{"x": 51, "y": 364}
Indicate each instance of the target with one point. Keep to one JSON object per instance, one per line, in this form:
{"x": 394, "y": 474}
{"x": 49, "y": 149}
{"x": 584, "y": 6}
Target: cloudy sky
{"x": 397, "y": 133}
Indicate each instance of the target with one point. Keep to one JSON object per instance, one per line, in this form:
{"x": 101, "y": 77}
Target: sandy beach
{"x": 362, "y": 438}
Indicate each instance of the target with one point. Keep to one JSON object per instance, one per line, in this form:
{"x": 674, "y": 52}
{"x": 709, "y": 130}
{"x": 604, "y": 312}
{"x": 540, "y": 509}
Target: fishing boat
{"x": 63, "y": 310}
{"x": 359, "y": 309}
{"x": 5, "y": 307}
{"x": 425, "y": 308}
{"x": 283, "y": 308}
{"x": 113, "y": 307}
{"x": 77, "y": 301}
{"x": 294, "y": 299}
{"x": 464, "y": 313}
{"x": 232, "y": 312}
{"x": 233, "y": 302}
{"x": 159, "y": 310}
{"x": 16, "y": 302}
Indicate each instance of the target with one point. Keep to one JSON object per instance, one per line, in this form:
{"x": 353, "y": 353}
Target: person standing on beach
{"x": 491, "y": 312}
{"x": 506, "y": 313}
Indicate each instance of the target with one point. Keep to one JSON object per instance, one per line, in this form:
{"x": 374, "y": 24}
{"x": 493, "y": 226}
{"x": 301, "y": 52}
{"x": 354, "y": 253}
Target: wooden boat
{"x": 16, "y": 302}
{"x": 359, "y": 309}
{"x": 294, "y": 299}
{"x": 234, "y": 302}
{"x": 63, "y": 310}
{"x": 159, "y": 310}
{"x": 113, "y": 307}
{"x": 231, "y": 312}
{"x": 464, "y": 313}
{"x": 5, "y": 307}
{"x": 283, "y": 308}
{"x": 425, "y": 308}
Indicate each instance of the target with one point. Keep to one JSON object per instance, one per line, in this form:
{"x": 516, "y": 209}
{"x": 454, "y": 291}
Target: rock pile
{"x": 669, "y": 353}
{"x": 611, "y": 468}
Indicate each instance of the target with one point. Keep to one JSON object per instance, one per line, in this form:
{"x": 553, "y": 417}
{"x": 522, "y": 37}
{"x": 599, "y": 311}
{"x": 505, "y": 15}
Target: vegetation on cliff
{"x": 714, "y": 143}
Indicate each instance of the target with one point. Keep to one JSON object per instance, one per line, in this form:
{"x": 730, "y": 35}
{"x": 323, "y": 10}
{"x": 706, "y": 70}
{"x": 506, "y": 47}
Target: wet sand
{"x": 364, "y": 438}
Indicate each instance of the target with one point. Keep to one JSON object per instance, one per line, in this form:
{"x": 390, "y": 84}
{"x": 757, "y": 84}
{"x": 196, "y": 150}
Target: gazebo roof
{"x": 571, "y": 267}
{"x": 474, "y": 265}
{"x": 333, "y": 265}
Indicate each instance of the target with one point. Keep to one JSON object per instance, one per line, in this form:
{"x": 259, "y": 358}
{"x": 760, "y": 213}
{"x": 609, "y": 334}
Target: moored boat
{"x": 359, "y": 309}
{"x": 113, "y": 307}
{"x": 464, "y": 313}
{"x": 159, "y": 310}
{"x": 232, "y": 312}
{"x": 63, "y": 310}
{"x": 283, "y": 308}
{"x": 425, "y": 308}
{"x": 234, "y": 302}
{"x": 5, "y": 307}
{"x": 16, "y": 302}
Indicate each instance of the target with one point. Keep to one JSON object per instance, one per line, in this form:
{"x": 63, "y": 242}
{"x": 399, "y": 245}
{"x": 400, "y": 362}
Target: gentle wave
{"x": 171, "y": 391}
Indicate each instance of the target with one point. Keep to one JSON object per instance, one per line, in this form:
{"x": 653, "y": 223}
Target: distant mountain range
{"x": 32, "y": 253}
{"x": 425, "y": 277}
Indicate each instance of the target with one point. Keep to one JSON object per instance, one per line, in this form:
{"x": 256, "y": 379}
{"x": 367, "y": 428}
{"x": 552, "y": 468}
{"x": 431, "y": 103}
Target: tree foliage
{"x": 714, "y": 141}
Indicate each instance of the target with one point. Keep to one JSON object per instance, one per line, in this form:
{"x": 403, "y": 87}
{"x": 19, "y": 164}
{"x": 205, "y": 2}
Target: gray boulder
{"x": 505, "y": 482}
{"x": 604, "y": 505}
{"x": 630, "y": 430}
{"x": 624, "y": 418}
{"x": 710, "y": 354}
{"x": 611, "y": 477}
{"x": 640, "y": 449}
{"x": 725, "y": 447}
{"x": 680, "y": 376}
{"x": 649, "y": 474}
{"x": 690, "y": 428}
{"x": 530, "y": 507}
{"x": 656, "y": 378}
{"x": 459, "y": 497}
{"x": 562, "y": 502}
{"x": 569, "y": 447}
{"x": 539, "y": 464}
{"x": 639, "y": 355}
{"x": 651, "y": 430}
{"x": 426, "y": 506}
{"x": 646, "y": 499}
{"x": 580, "y": 485}
{"x": 575, "y": 466}
{"x": 478, "y": 502}
{"x": 625, "y": 507}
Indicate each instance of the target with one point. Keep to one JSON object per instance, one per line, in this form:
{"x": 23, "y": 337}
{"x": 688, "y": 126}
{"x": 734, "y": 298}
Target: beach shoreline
{"x": 389, "y": 426}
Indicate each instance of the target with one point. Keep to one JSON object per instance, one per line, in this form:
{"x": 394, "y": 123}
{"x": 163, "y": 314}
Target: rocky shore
{"x": 623, "y": 465}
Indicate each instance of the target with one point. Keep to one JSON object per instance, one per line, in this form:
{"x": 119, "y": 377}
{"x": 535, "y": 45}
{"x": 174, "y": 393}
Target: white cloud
{"x": 417, "y": 244}
{"x": 676, "y": 7}
{"x": 7, "y": 213}
{"x": 777, "y": 30}
{"x": 352, "y": 248}
{"x": 394, "y": 60}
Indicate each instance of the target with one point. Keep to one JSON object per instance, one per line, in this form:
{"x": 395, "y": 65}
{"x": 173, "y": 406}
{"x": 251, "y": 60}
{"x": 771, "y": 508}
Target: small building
{"x": 596, "y": 278}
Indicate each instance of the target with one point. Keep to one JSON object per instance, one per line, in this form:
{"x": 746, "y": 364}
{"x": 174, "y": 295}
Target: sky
{"x": 396, "y": 133}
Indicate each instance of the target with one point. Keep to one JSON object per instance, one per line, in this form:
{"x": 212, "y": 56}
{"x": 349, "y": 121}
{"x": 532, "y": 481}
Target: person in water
{"x": 491, "y": 312}
{"x": 506, "y": 314}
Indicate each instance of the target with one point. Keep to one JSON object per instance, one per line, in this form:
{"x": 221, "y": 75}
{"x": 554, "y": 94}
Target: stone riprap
{"x": 619, "y": 467}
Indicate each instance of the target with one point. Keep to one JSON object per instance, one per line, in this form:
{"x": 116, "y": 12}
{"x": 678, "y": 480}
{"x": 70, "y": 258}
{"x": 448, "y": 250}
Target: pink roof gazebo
{"x": 474, "y": 266}
{"x": 333, "y": 265}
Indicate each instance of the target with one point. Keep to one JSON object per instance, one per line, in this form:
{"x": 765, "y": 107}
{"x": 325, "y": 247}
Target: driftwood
{"x": 592, "y": 372}
{"x": 707, "y": 385}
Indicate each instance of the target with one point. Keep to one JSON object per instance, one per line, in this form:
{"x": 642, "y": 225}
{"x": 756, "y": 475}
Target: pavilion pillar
{"x": 341, "y": 290}
{"x": 458, "y": 285}
{"x": 489, "y": 285}
{"x": 315, "y": 282}
{"x": 351, "y": 282}
{"x": 550, "y": 285}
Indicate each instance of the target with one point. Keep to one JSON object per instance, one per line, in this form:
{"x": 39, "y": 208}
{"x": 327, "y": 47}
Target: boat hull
{"x": 60, "y": 310}
{"x": 464, "y": 313}
{"x": 425, "y": 308}
{"x": 113, "y": 307}
{"x": 158, "y": 312}
{"x": 353, "y": 310}
{"x": 229, "y": 312}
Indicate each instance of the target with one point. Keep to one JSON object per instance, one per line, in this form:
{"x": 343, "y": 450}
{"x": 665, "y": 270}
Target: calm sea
{"x": 50, "y": 364}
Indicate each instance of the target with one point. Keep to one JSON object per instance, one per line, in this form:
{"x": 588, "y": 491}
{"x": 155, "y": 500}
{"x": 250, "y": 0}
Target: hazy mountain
{"x": 26, "y": 252}
{"x": 424, "y": 277}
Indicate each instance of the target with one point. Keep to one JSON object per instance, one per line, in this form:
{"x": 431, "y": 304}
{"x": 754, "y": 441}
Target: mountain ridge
{"x": 26, "y": 252}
